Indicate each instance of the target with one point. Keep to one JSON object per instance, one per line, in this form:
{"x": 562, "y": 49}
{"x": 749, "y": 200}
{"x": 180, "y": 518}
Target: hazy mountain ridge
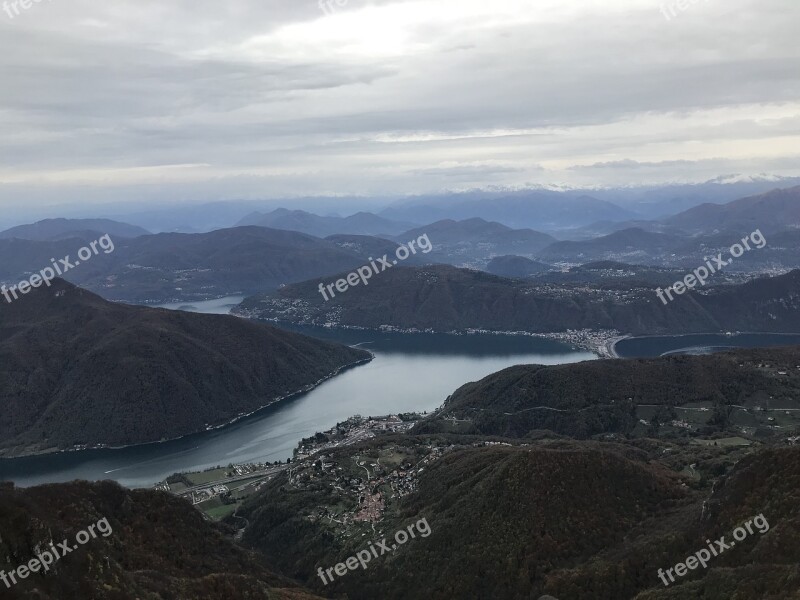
{"x": 52, "y": 229}
{"x": 633, "y": 244}
{"x": 247, "y": 260}
{"x": 361, "y": 223}
{"x": 774, "y": 211}
{"x": 476, "y": 240}
{"x": 542, "y": 210}
{"x": 171, "y": 266}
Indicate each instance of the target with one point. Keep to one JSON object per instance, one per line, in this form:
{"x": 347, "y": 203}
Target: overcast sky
{"x": 200, "y": 100}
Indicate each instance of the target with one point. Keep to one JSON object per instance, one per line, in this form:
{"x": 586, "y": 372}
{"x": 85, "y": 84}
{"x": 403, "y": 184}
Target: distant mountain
{"x": 175, "y": 266}
{"x": 78, "y": 370}
{"x": 628, "y": 245}
{"x": 362, "y": 223}
{"x": 473, "y": 242}
{"x": 775, "y": 211}
{"x": 619, "y": 275}
{"x": 56, "y": 229}
{"x": 602, "y": 228}
{"x": 479, "y": 231}
{"x": 541, "y": 210}
{"x": 150, "y": 545}
{"x": 515, "y": 266}
{"x": 706, "y": 230}
{"x": 446, "y": 299}
{"x": 22, "y": 257}
{"x": 363, "y": 245}
{"x": 661, "y": 201}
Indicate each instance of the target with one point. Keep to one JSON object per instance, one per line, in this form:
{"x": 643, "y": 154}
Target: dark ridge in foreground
{"x": 565, "y": 518}
{"x": 156, "y": 547}
{"x": 76, "y": 370}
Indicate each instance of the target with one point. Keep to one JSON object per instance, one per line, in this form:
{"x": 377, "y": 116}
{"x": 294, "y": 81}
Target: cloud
{"x": 210, "y": 100}
{"x": 633, "y": 164}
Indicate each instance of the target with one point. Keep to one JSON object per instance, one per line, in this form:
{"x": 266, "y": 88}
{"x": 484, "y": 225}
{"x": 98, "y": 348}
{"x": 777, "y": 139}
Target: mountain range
{"x": 542, "y": 210}
{"x": 189, "y": 266}
{"x": 476, "y": 240}
{"x": 252, "y": 259}
{"x": 772, "y": 212}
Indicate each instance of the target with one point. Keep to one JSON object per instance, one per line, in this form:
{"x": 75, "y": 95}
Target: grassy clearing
{"x": 207, "y": 476}
{"x": 220, "y": 512}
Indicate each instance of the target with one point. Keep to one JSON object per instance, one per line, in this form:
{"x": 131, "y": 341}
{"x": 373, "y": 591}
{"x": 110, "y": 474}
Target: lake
{"x": 219, "y": 306}
{"x": 696, "y": 344}
{"x": 410, "y": 372}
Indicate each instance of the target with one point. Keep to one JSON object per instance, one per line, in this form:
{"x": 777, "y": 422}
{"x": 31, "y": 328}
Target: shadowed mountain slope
{"x": 158, "y": 548}
{"x": 78, "y": 370}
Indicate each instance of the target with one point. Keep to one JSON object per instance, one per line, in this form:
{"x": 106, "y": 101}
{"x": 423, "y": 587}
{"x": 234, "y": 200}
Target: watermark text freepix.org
{"x": 15, "y": 4}
{"x": 364, "y": 556}
{"x": 327, "y": 6}
{"x": 701, "y": 274}
{"x": 63, "y": 265}
{"x": 681, "y": 5}
{"x": 363, "y": 274}
{"x": 45, "y": 559}
{"x": 701, "y": 557}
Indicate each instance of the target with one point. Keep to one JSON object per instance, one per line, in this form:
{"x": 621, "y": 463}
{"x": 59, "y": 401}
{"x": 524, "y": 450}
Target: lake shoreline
{"x": 722, "y": 335}
{"x": 6, "y": 456}
{"x": 598, "y": 341}
{"x": 408, "y": 374}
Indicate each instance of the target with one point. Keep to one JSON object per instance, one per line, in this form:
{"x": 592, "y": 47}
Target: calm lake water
{"x": 650, "y": 347}
{"x": 410, "y": 373}
{"x": 220, "y": 306}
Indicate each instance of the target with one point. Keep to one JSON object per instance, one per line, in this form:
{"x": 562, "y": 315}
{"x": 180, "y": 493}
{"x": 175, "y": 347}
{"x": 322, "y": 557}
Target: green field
{"x": 207, "y": 476}
{"x": 220, "y": 512}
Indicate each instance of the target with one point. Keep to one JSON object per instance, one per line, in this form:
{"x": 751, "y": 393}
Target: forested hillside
{"x": 78, "y": 370}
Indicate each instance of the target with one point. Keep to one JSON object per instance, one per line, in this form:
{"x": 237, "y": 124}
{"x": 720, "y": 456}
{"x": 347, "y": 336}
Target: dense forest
{"x": 159, "y": 548}
{"x": 78, "y": 370}
{"x": 599, "y": 397}
{"x": 565, "y": 518}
